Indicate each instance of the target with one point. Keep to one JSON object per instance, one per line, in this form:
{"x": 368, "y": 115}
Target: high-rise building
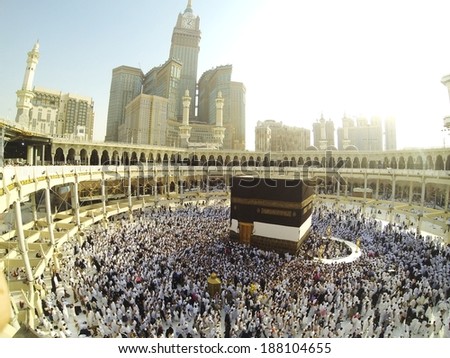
{"x": 172, "y": 80}
{"x": 145, "y": 121}
{"x": 164, "y": 81}
{"x": 210, "y": 84}
{"x": 364, "y": 135}
{"x": 185, "y": 48}
{"x": 275, "y": 136}
{"x": 323, "y": 132}
{"x": 126, "y": 84}
{"x": 53, "y": 112}
{"x": 390, "y": 134}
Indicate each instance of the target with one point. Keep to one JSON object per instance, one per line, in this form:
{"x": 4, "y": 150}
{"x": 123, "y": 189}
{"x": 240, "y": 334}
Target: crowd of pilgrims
{"x": 148, "y": 278}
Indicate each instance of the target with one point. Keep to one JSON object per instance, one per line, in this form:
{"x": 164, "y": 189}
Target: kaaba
{"x": 272, "y": 214}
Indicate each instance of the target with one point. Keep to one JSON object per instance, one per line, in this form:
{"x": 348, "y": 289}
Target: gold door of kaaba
{"x": 245, "y": 232}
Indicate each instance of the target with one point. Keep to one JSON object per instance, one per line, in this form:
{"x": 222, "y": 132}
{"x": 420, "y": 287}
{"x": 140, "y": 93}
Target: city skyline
{"x": 368, "y": 60}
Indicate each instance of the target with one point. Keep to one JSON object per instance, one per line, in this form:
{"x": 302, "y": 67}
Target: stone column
{"x": 393, "y": 187}
{"x": 130, "y": 203}
{"x": 75, "y": 201}
{"x": 43, "y": 155}
{"x": 422, "y": 197}
{"x": 26, "y": 260}
{"x": 30, "y": 154}
{"x": 377, "y": 189}
{"x": 447, "y": 192}
{"x": 365, "y": 185}
{"x": 33, "y": 206}
{"x": 104, "y": 197}
{"x": 50, "y": 226}
{"x": 411, "y": 188}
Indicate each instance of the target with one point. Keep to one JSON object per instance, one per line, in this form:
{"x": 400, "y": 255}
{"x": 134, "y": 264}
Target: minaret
{"x": 25, "y": 95}
{"x": 219, "y": 130}
{"x": 185, "y": 128}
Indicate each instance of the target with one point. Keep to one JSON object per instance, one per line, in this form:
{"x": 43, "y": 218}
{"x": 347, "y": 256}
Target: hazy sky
{"x": 298, "y": 59}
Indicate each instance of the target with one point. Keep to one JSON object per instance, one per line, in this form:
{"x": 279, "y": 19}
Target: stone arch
{"x": 429, "y": 162}
{"x": 300, "y": 161}
{"x": 220, "y": 160}
{"x": 364, "y": 163}
{"x": 251, "y": 161}
{"x": 94, "y": 159}
{"x": 116, "y": 158}
{"x": 293, "y": 162}
{"x": 178, "y": 158}
{"x": 331, "y": 162}
{"x": 158, "y": 158}
{"x": 419, "y": 162}
{"x": 151, "y": 159}
{"x": 236, "y": 161}
{"x": 439, "y": 165}
{"x": 165, "y": 158}
{"x": 211, "y": 160}
{"x": 142, "y": 158}
{"x": 386, "y": 162}
{"x": 393, "y": 163}
{"x": 227, "y": 160}
{"x": 59, "y": 156}
{"x": 348, "y": 162}
{"x": 83, "y": 156}
{"x": 401, "y": 163}
{"x": 203, "y": 160}
{"x": 410, "y": 163}
{"x": 71, "y": 156}
{"x": 105, "y": 158}
{"x": 133, "y": 159}
{"x": 356, "y": 163}
{"x": 125, "y": 158}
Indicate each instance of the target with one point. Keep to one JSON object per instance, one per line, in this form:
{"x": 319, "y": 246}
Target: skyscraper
{"x": 275, "y": 136}
{"x": 126, "y": 84}
{"x": 210, "y": 84}
{"x": 185, "y": 48}
{"x": 323, "y": 132}
{"x": 365, "y": 135}
{"x": 390, "y": 134}
{"x": 171, "y": 81}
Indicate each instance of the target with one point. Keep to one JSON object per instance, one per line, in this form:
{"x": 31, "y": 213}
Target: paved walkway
{"x": 356, "y": 253}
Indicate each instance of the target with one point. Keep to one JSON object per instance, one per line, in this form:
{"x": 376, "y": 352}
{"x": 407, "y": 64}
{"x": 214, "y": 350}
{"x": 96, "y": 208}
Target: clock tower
{"x": 185, "y": 48}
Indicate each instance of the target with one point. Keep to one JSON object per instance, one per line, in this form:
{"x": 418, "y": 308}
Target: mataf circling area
{"x": 149, "y": 278}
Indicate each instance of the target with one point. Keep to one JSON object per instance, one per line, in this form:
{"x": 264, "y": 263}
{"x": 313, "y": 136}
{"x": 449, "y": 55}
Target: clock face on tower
{"x": 188, "y": 22}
